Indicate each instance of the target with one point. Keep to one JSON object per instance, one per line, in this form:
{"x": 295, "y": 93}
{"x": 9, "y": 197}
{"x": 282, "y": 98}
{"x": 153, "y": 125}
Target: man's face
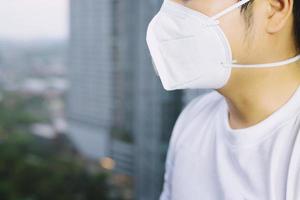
{"x": 247, "y": 39}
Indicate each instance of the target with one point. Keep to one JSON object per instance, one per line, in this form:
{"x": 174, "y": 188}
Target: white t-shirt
{"x": 208, "y": 160}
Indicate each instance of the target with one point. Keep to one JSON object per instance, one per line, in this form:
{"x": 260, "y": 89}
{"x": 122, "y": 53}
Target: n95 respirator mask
{"x": 189, "y": 50}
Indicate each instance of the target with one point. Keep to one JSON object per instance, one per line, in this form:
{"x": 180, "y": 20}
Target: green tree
{"x": 36, "y": 169}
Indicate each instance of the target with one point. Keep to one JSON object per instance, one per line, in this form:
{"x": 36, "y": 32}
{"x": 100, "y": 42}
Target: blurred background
{"x": 82, "y": 114}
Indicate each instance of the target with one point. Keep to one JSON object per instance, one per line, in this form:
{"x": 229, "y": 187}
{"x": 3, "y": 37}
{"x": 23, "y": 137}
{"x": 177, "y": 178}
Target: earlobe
{"x": 279, "y": 11}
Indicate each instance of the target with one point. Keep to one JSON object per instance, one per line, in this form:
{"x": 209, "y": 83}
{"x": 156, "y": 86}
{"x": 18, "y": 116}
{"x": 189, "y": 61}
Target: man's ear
{"x": 279, "y": 12}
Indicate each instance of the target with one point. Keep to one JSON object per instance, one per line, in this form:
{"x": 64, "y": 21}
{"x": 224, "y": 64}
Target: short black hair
{"x": 246, "y": 9}
{"x": 297, "y": 22}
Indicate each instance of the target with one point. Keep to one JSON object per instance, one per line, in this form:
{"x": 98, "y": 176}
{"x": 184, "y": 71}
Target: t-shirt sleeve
{"x": 293, "y": 184}
{"x": 166, "y": 193}
{"x": 180, "y": 123}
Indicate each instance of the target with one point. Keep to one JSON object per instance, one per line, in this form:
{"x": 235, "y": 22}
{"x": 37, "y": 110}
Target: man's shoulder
{"x": 201, "y": 106}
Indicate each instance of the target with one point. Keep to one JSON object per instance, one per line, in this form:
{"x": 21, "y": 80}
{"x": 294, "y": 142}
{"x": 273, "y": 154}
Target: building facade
{"x": 116, "y": 105}
{"x": 89, "y": 102}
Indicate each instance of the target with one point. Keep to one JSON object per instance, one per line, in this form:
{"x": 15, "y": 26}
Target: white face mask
{"x": 189, "y": 50}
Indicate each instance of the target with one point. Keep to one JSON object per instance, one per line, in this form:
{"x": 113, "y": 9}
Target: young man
{"x": 242, "y": 140}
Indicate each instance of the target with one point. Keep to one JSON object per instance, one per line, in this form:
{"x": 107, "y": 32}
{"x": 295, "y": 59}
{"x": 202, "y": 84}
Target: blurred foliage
{"x": 29, "y": 171}
{"x": 32, "y": 168}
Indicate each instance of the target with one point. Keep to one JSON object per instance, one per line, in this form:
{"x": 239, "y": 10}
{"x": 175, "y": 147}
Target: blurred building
{"x": 90, "y": 71}
{"x": 155, "y": 111}
{"x": 192, "y": 93}
{"x": 116, "y": 105}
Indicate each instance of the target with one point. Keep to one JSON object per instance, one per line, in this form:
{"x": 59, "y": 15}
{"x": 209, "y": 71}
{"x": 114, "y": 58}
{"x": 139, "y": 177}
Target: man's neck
{"x": 254, "y": 94}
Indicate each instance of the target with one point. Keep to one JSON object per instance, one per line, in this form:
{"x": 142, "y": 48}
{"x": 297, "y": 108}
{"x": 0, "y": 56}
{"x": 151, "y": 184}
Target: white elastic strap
{"x": 274, "y": 64}
{"x": 229, "y": 9}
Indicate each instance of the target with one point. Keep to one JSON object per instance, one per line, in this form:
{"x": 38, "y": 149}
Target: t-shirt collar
{"x": 256, "y": 133}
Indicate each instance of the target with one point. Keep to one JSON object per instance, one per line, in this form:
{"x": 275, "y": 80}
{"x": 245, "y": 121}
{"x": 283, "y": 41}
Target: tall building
{"x": 122, "y": 142}
{"x": 90, "y": 104}
{"x": 155, "y": 113}
{"x": 116, "y": 105}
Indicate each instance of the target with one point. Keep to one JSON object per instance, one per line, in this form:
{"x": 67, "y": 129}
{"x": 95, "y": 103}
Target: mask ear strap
{"x": 274, "y": 64}
{"x": 229, "y": 9}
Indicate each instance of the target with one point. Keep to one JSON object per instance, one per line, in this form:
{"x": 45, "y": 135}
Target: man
{"x": 242, "y": 140}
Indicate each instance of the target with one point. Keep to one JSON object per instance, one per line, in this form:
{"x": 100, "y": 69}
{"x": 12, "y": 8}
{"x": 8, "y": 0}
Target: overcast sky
{"x": 33, "y": 19}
